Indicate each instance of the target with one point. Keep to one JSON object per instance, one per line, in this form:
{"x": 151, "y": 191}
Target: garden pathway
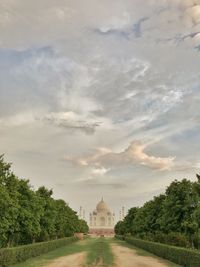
{"x": 126, "y": 257}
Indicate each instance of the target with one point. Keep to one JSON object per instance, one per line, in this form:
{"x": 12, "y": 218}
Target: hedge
{"x": 182, "y": 256}
{"x": 9, "y": 256}
{"x": 121, "y": 237}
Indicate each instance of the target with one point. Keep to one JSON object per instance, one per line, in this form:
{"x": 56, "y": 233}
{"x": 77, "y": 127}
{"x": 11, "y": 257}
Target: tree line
{"x": 28, "y": 215}
{"x": 172, "y": 217}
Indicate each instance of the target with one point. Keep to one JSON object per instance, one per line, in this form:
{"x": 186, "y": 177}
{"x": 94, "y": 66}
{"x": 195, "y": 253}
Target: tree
{"x": 8, "y": 203}
{"x": 120, "y": 228}
{"x": 28, "y": 216}
{"x": 173, "y": 217}
{"x": 48, "y": 217}
{"x": 180, "y": 202}
{"x": 83, "y": 227}
{"x": 30, "y": 213}
{"x": 129, "y": 219}
{"x": 198, "y": 177}
{"x": 5, "y": 215}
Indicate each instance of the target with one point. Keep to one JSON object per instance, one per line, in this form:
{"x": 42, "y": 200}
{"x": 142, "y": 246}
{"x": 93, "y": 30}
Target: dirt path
{"x": 126, "y": 257}
{"x": 74, "y": 260}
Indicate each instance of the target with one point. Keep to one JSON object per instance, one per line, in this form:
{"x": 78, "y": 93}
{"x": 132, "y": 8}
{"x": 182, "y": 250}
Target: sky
{"x": 100, "y": 98}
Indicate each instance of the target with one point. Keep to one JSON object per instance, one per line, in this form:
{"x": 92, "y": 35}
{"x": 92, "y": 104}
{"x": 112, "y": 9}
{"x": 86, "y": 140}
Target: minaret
{"x": 123, "y": 213}
{"x": 120, "y": 215}
{"x": 81, "y": 213}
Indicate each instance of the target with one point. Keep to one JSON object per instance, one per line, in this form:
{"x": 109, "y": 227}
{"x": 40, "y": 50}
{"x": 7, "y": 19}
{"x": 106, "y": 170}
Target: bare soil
{"x": 74, "y": 260}
{"x": 126, "y": 257}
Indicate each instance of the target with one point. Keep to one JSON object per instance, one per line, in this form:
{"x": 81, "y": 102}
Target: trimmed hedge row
{"x": 182, "y": 256}
{"x": 9, "y": 256}
{"x": 121, "y": 237}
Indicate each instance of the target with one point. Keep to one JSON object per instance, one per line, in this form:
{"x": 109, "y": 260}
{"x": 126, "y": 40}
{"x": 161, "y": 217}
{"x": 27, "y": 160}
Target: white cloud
{"x": 116, "y": 23}
{"x": 166, "y": 20}
{"x": 194, "y": 13}
{"x": 99, "y": 171}
{"x": 134, "y": 154}
{"x": 91, "y": 159}
{"x": 122, "y": 70}
{"x": 18, "y": 120}
{"x": 72, "y": 121}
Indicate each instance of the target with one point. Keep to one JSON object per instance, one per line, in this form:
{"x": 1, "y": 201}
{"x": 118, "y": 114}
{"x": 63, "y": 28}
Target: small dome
{"x": 102, "y": 206}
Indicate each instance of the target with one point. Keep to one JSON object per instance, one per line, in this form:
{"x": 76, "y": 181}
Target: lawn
{"x": 44, "y": 259}
{"x": 100, "y": 252}
{"x": 97, "y": 249}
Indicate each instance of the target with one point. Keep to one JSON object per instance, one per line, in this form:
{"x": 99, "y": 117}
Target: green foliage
{"x": 120, "y": 237}
{"x": 182, "y": 256}
{"x": 178, "y": 207}
{"x": 83, "y": 227}
{"x": 120, "y": 228}
{"x": 29, "y": 216}
{"x": 130, "y": 217}
{"x": 10, "y": 256}
{"x": 172, "y": 218}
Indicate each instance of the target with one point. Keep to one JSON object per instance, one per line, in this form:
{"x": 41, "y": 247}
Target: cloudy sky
{"x": 100, "y": 98}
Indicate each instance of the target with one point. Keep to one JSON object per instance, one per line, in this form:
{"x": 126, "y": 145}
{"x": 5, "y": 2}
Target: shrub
{"x": 9, "y": 256}
{"x": 159, "y": 237}
{"x": 173, "y": 238}
{"x": 182, "y": 256}
{"x": 177, "y": 239}
{"x": 121, "y": 237}
{"x": 196, "y": 240}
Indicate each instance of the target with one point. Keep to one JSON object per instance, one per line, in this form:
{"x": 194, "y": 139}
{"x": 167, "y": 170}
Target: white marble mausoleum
{"x": 102, "y": 220}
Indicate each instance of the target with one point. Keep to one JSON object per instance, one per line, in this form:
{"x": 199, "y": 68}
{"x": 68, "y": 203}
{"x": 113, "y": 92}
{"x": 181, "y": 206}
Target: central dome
{"x": 102, "y": 206}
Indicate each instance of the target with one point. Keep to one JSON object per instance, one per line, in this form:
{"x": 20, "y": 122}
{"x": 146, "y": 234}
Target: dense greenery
{"x": 182, "y": 256}
{"x": 172, "y": 218}
{"x": 14, "y": 255}
{"x": 29, "y": 216}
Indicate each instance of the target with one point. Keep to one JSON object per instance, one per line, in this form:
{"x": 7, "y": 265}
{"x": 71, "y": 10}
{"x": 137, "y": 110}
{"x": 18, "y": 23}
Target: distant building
{"x": 102, "y": 220}
{"x": 122, "y": 214}
{"x": 81, "y": 213}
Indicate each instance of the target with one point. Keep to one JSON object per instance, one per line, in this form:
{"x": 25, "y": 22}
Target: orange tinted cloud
{"x": 135, "y": 153}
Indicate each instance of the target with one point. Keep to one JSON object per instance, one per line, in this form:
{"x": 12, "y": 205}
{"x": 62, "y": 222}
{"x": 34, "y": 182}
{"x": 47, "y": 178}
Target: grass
{"x": 144, "y": 253}
{"x": 60, "y": 252}
{"x": 100, "y": 253}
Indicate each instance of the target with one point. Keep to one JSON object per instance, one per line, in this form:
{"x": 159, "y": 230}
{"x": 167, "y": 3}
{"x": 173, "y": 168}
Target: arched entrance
{"x": 102, "y": 221}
